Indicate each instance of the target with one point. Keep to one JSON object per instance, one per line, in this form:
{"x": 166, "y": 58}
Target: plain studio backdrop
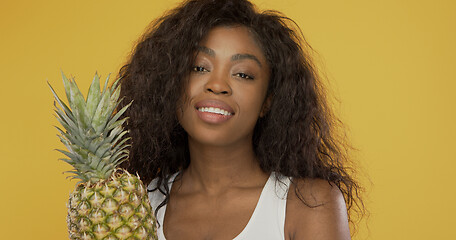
{"x": 390, "y": 63}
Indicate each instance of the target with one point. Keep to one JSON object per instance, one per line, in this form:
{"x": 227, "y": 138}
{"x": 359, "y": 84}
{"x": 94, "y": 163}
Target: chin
{"x": 212, "y": 138}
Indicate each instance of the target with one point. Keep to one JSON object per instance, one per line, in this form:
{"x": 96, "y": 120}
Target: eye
{"x": 199, "y": 69}
{"x": 245, "y": 76}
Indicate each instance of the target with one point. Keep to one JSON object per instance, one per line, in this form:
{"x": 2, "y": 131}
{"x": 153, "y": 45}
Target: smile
{"x": 214, "y": 110}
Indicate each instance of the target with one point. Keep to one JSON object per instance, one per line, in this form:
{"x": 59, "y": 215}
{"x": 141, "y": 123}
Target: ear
{"x": 266, "y": 106}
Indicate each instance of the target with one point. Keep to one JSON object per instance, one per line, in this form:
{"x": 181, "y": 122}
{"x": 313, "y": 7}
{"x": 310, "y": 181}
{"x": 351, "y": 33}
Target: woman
{"x": 230, "y": 126}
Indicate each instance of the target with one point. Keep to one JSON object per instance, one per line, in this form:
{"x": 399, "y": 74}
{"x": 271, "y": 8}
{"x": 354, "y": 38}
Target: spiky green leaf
{"x": 109, "y": 126}
{"x": 78, "y": 106}
{"x": 102, "y": 117}
{"x": 66, "y": 85}
{"x": 93, "y": 97}
{"x": 93, "y": 160}
{"x": 72, "y": 138}
{"x": 92, "y": 131}
{"x": 96, "y": 143}
{"x": 116, "y": 159}
{"x": 98, "y": 122}
{"x": 117, "y": 116}
{"x": 68, "y": 154}
{"x": 66, "y": 109}
{"x": 103, "y": 149}
{"x": 114, "y": 85}
{"x": 106, "y": 84}
{"x": 69, "y": 161}
{"x": 113, "y": 134}
{"x": 120, "y": 144}
{"x": 118, "y": 137}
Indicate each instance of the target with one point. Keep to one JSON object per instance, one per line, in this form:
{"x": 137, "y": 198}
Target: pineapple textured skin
{"x": 118, "y": 208}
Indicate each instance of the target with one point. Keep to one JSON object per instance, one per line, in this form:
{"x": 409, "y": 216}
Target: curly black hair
{"x": 299, "y": 137}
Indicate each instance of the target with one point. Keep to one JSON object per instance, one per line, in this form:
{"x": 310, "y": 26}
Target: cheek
{"x": 185, "y": 109}
{"x": 194, "y": 87}
{"x": 252, "y": 99}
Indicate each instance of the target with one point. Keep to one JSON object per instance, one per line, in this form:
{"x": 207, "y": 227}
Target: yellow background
{"x": 391, "y": 63}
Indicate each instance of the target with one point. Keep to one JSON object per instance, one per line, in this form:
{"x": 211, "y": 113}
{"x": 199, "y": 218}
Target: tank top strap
{"x": 268, "y": 219}
{"x": 156, "y": 197}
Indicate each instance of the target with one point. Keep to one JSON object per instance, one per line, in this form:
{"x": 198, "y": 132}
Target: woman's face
{"x": 226, "y": 89}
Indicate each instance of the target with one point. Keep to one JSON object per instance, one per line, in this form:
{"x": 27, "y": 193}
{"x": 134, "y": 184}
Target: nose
{"x": 218, "y": 85}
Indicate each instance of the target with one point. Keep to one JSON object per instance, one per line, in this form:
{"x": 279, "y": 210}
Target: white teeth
{"x": 214, "y": 110}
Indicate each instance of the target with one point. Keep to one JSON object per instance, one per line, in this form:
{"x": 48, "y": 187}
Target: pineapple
{"x": 108, "y": 202}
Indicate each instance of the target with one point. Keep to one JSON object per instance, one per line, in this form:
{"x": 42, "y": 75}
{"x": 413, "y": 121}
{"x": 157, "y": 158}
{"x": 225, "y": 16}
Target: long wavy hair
{"x": 299, "y": 137}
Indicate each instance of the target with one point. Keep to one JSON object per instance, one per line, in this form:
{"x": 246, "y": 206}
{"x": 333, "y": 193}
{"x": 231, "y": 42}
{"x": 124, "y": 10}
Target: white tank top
{"x": 267, "y": 221}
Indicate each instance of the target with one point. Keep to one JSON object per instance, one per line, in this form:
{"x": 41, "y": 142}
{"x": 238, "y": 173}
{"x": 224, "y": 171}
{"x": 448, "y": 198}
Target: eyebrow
{"x": 236, "y": 57}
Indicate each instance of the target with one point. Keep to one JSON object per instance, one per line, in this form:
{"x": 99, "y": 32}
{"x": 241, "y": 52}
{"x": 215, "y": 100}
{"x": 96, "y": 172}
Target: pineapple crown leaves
{"x": 92, "y": 131}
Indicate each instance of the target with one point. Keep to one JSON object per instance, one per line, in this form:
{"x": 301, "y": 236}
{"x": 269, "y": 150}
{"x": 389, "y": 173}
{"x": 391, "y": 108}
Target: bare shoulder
{"x": 316, "y": 210}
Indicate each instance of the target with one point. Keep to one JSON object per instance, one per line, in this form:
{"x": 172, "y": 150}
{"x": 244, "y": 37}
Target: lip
{"x": 215, "y": 104}
{"x": 213, "y": 118}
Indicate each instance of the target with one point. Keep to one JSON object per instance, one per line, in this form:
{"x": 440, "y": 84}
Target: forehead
{"x": 231, "y": 39}
{"x": 230, "y": 30}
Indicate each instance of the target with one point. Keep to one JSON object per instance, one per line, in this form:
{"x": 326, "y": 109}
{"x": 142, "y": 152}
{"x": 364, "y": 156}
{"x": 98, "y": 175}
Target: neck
{"x": 213, "y": 169}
